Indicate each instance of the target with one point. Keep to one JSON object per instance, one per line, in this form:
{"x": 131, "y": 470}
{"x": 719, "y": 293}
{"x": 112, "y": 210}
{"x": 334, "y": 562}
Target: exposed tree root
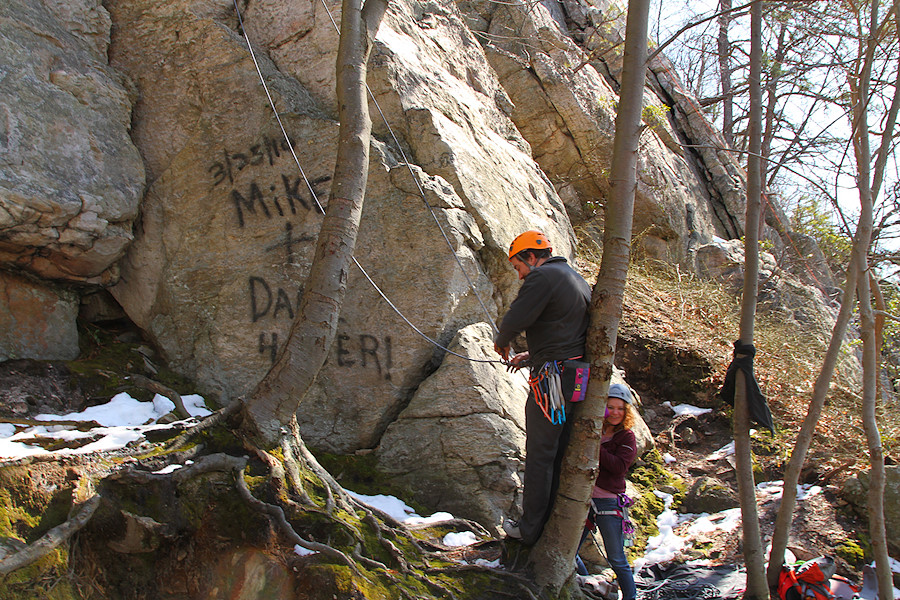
{"x": 387, "y": 544}
{"x": 52, "y": 539}
{"x": 385, "y": 527}
{"x": 278, "y": 515}
{"x": 442, "y": 591}
{"x": 204, "y": 464}
{"x": 300, "y": 486}
{"x": 337, "y": 496}
{"x": 458, "y": 523}
{"x": 276, "y": 476}
{"x": 78, "y": 425}
{"x": 520, "y": 581}
{"x": 207, "y": 423}
{"x": 293, "y": 471}
{"x": 369, "y": 562}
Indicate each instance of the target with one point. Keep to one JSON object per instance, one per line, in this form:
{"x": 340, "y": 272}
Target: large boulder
{"x": 378, "y": 360}
{"x": 71, "y": 178}
{"x": 460, "y": 441}
{"x": 709, "y": 495}
{"x": 229, "y": 222}
{"x": 440, "y": 97}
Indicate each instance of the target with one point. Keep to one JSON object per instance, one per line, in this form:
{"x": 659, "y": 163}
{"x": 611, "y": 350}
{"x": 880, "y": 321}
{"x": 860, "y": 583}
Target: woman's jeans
{"x": 610, "y": 527}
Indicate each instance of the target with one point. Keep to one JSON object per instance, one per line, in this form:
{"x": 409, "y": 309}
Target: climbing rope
{"x": 322, "y": 210}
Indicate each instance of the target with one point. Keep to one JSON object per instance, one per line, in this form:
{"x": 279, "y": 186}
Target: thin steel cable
{"x": 316, "y": 199}
{"x": 274, "y": 110}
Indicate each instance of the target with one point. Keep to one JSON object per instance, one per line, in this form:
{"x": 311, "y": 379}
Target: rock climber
{"x": 552, "y": 309}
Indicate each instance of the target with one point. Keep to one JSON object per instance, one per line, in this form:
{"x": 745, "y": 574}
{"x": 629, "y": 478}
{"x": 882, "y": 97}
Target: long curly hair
{"x": 627, "y": 422}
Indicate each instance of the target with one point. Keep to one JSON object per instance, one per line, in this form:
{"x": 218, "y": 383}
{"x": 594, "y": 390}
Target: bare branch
{"x": 50, "y": 540}
{"x": 158, "y": 388}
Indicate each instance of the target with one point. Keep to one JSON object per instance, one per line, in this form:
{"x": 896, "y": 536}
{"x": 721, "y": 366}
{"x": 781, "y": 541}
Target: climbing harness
{"x": 416, "y": 179}
{"x": 546, "y": 386}
{"x": 628, "y": 531}
{"x": 623, "y": 502}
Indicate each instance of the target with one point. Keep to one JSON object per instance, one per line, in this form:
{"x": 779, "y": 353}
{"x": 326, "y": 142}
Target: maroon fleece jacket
{"x": 616, "y": 455}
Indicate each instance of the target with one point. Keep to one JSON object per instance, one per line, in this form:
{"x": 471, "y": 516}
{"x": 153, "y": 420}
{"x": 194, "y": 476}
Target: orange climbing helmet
{"x": 530, "y": 240}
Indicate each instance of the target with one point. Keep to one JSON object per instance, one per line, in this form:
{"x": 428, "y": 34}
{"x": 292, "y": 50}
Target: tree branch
{"x": 50, "y": 540}
{"x": 158, "y": 388}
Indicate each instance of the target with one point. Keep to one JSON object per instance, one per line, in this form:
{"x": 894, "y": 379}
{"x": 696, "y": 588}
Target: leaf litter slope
{"x": 700, "y": 319}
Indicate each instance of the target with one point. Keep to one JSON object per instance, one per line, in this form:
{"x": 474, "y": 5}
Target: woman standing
{"x": 618, "y": 449}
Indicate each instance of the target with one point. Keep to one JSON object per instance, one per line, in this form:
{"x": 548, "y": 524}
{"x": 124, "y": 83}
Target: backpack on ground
{"x": 810, "y": 580}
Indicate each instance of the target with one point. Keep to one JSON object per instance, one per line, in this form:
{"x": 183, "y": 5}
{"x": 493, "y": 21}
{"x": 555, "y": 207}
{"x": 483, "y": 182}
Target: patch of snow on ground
{"x": 122, "y": 420}
{"x": 686, "y": 409}
{"x": 456, "y": 539}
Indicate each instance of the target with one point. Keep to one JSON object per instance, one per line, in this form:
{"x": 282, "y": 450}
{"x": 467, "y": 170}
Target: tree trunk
{"x": 807, "y": 429}
{"x": 859, "y": 265}
{"x": 553, "y": 557}
{"x": 753, "y": 552}
{"x": 868, "y": 190}
{"x": 875, "y": 500}
{"x": 274, "y": 402}
{"x": 724, "y": 51}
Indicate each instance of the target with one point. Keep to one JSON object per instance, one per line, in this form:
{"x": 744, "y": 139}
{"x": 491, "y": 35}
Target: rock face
{"x": 460, "y": 441}
{"x": 70, "y": 177}
{"x": 36, "y": 319}
{"x": 856, "y": 492}
{"x": 229, "y": 225}
{"x": 138, "y": 107}
{"x": 564, "y": 103}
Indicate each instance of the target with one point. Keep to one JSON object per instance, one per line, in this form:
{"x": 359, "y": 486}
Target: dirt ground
{"x": 675, "y": 344}
{"x": 822, "y": 520}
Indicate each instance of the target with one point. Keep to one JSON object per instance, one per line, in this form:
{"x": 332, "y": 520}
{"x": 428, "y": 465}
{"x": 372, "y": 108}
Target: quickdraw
{"x": 625, "y": 502}
{"x": 547, "y": 388}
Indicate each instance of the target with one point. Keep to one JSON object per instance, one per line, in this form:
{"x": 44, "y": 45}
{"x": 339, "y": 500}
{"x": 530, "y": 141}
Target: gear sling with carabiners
{"x": 547, "y": 386}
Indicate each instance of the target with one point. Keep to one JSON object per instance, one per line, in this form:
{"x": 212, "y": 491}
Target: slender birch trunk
{"x": 757, "y": 588}
{"x": 868, "y": 191}
{"x": 274, "y": 402}
{"x": 858, "y": 270}
{"x": 553, "y": 557}
{"x": 804, "y": 438}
